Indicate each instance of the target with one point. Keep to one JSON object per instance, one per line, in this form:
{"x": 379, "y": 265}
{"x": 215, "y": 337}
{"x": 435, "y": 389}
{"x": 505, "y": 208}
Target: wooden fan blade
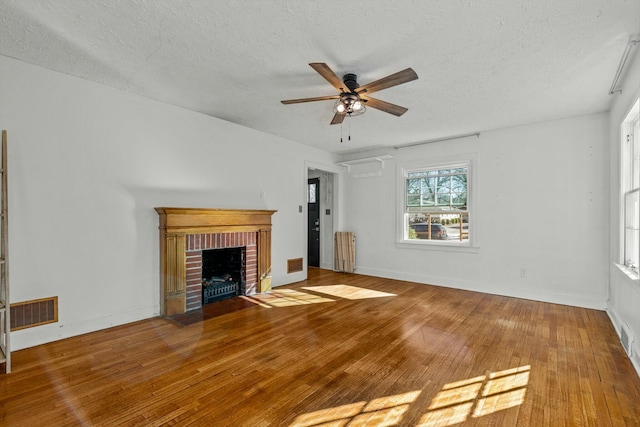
{"x": 395, "y": 79}
{"x": 319, "y": 98}
{"x": 385, "y": 106}
{"x": 326, "y": 72}
{"x": 337, "y": 119}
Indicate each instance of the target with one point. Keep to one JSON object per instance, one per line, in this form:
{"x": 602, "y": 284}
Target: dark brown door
{"x": 313, "y": 208}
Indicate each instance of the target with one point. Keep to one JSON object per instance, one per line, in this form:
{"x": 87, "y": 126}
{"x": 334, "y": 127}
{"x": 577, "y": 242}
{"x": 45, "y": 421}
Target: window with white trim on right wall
{"x": 630, "y": 194}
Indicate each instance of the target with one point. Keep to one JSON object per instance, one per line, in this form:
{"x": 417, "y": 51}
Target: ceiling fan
{"x": 352, "y": 97}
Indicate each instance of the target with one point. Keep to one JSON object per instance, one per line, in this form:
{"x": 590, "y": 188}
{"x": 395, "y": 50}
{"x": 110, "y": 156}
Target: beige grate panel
{"x": 28, "y": 314}
{"x": 294, "y": 265}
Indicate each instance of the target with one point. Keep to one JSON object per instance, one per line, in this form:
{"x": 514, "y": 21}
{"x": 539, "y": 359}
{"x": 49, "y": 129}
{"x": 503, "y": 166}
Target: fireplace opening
{"x": 223, "y": 274}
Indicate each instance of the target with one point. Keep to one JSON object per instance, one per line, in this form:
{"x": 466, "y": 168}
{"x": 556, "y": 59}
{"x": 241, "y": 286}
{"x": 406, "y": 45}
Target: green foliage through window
{"x": 437, "y": 189}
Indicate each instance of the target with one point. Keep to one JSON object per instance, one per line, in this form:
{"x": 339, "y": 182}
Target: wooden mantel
{"x": 177, "y": 223}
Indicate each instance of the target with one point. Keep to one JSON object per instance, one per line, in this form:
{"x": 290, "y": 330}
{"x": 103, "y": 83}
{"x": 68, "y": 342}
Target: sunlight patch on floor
{"x": 503, "y": 390}
{"x": 456, "y": 401}
{"x": 348, "y": 292}
{"x": 478, "y": 396}
{"x": 383, "y": 411}
{"x": 285, "y": 298}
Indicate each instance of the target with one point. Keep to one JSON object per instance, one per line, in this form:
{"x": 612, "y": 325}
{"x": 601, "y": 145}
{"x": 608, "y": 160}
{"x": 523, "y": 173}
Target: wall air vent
{"x": 27, "y": 314}
{"x": 294, "y": 265}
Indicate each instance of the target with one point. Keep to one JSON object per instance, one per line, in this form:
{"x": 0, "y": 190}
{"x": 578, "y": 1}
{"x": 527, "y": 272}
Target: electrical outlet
{"x": 263, "y": 194}
{"x": 523, "y": 272}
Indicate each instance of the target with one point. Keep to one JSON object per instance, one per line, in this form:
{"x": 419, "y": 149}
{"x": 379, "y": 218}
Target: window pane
{"x": 443, "y": 182}
{"x": 413, "y": 186}
{"x": 632, "y": 230}
{"x": 632, "y": 220}
{"x": 459, "y": 200}
{"x": 442, "y": 188}
{"x": 428, "y": 185}
{"x": 437, "y": 226}
{"x": 428, "y": 200}
{"x": 635, "y": 169}
{"x": 631, "y": 248}
{"x": 312, "y": 193}
{"x": 413, "y": 200}
{"x": 459, "y": 182}
{"x": 444, "y": 199}
{"x": 417, "y": 174}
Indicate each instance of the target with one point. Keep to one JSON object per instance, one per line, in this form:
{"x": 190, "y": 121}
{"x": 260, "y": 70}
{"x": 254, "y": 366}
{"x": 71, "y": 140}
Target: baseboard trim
{"x": 470, "y": 285}
{"x": 51, "y": 332}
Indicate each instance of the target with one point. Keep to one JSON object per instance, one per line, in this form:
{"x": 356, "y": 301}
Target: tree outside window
{"x": 436, "y": 204}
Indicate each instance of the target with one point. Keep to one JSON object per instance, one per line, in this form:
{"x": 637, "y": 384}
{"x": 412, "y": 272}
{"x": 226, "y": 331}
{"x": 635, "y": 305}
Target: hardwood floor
{"x": 351, "y": 350}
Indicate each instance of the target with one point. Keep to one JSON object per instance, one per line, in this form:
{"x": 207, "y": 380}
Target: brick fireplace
{"x": 186, "y": 232}
{"x": 197, "y": 243}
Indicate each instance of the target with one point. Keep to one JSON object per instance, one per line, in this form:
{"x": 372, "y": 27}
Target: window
{"x": 311, "y": 196}
{"x": 630, "y": 170}
{"x": 436, "y": 203}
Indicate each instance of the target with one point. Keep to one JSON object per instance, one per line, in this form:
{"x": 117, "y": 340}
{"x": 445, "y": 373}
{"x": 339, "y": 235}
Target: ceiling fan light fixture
{"x": 349, "y": 103}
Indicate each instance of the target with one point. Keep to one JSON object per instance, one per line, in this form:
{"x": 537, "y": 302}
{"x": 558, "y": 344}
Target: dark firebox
{"x": 222, "y": 274}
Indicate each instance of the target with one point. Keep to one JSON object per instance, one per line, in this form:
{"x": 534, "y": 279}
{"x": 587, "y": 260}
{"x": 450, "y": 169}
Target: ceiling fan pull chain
{"x": 341, "y": 133}
{"x": 349, "y": 127}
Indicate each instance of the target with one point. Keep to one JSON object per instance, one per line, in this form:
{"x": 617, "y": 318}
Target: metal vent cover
{"x": 625, "y": 339}
{"x": 27, "y": 314}
{"x": 294, "y": 265}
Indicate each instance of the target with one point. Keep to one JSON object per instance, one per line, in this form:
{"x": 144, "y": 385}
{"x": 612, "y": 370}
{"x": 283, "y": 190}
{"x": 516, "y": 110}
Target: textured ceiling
{"x": 481, "y": 64}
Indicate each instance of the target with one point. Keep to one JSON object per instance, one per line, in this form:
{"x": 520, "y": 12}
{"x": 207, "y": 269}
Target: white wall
{"x": 87, "y": 165}
{"x": 624, "y": 293}
{"x": 542, "y": 195}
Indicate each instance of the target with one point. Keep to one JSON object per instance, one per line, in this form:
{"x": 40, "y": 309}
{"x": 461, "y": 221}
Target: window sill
{"x": 438, "y": 246}
{"x": 632, "y": 275}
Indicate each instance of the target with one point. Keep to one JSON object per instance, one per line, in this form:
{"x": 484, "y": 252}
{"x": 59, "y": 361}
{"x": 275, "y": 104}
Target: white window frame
{"x": 628, "y": 167}
{"x": 403, "y": 169}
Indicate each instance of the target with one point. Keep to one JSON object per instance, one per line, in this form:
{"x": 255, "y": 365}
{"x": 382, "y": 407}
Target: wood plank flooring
{"x": 336, "y": 350}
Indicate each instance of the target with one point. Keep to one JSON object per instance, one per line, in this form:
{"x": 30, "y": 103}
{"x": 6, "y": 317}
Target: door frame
{"x": 325, "y": 241}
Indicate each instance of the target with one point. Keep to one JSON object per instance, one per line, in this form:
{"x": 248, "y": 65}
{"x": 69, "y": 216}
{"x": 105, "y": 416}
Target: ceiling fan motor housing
{"x": 350, "y": 80}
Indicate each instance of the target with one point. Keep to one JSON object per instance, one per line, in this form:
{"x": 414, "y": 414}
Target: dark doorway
{"x": 313, "y": 209}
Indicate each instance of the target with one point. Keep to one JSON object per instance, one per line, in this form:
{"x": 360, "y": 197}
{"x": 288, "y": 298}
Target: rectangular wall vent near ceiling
{"x": 27, "y": 314}
{"x": 625, "y": 339}
{"x": 294, "y": 265}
